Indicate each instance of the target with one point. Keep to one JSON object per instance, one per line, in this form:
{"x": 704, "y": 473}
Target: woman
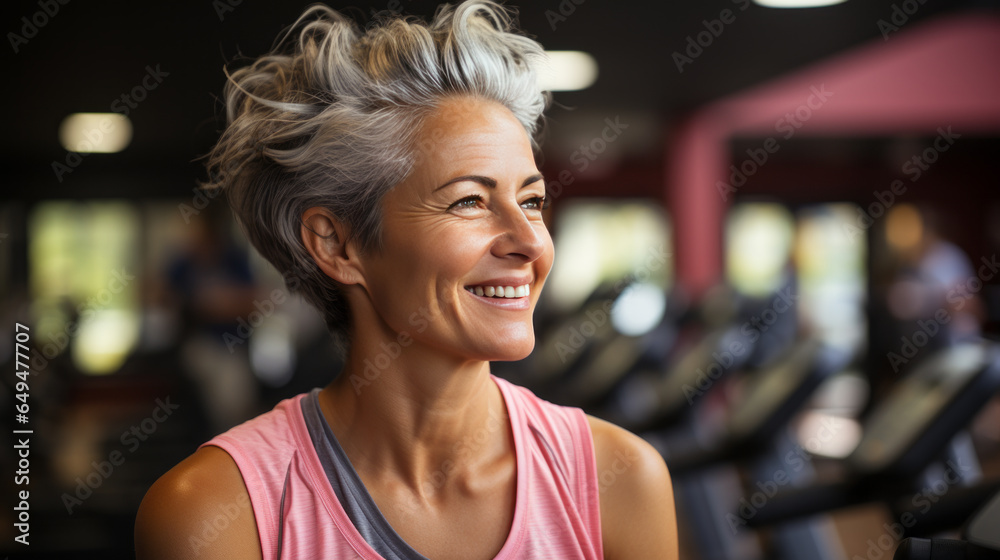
{"x": 390, "y": 177}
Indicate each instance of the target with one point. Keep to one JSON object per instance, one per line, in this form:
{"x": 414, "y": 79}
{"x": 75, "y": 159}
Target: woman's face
{"x": 466, "y": 223}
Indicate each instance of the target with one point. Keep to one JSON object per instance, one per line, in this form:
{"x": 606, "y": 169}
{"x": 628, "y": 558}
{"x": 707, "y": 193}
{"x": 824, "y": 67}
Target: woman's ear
{"x": 326, "y": 239}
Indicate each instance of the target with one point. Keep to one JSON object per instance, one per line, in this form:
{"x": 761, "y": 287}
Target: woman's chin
{"x": 512, "y": 350}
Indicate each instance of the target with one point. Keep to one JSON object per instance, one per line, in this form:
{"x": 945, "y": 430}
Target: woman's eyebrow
{"x": 487, "y": 181}
{"x": 534, "y": 178}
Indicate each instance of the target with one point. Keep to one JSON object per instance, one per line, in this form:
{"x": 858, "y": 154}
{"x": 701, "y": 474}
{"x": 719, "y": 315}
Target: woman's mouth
{"x": 500, "y": 292}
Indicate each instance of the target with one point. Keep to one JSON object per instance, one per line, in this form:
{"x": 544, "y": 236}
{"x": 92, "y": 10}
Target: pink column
{"x": 697, "y": 159}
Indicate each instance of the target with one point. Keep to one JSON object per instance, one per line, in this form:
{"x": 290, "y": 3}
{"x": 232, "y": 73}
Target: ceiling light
{"x": 95, "y": 132}
{"x": 797, "y": 3}
{"x": 567, "y": 71}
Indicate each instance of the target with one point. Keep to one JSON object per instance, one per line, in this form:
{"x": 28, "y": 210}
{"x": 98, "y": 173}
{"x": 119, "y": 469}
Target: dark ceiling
{"x": 90, "y": 53}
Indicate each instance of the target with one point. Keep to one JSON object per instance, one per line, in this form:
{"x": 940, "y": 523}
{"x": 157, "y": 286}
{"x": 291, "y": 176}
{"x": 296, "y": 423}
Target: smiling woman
{"x": 391, "y": 175}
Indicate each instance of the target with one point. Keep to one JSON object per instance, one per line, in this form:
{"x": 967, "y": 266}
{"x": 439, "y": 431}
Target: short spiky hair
{"x": 329, "y": 119}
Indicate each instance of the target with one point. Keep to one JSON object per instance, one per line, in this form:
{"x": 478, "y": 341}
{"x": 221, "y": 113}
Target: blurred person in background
{"x": 934, "y": 278}
{"x": 211, "y": 288}
{"x": 930, "y": 294}
{"x": 390, "y": 177}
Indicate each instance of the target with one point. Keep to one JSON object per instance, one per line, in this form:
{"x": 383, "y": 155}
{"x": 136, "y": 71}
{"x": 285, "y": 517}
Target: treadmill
{"x": 911, "y": 439}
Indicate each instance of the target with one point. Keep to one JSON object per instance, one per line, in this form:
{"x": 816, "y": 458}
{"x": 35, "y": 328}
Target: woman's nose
{"x": 520, "y": 235}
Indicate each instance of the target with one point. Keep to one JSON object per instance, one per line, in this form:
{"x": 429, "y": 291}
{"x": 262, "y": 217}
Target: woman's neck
{"x": 414, "y": 415}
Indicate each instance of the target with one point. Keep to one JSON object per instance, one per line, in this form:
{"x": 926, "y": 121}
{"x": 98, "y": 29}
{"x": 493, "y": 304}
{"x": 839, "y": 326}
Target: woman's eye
{"x": 467, "y": 202}
{"x": 534, "y": 203}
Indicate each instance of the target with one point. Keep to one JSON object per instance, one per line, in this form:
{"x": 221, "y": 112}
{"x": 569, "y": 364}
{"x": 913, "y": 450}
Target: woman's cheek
{"x": 548, "y": 258}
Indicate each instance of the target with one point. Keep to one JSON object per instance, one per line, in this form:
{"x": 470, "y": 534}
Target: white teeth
{"x": 501, "y": 291}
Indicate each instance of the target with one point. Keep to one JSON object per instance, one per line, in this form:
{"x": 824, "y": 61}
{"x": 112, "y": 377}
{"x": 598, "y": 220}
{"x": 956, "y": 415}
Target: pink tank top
{"x": 298, "y": 514}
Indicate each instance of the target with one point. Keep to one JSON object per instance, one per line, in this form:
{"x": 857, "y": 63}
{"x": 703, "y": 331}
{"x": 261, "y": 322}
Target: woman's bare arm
{"x": 637, "y": 498}
{"x": 200, "y": 509}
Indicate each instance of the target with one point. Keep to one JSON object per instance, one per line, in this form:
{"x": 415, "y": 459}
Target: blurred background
{"x": 777, "y": 233}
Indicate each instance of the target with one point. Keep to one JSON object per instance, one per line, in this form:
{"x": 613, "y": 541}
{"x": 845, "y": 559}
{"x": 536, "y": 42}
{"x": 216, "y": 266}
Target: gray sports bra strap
{"x": 349, "y": 489}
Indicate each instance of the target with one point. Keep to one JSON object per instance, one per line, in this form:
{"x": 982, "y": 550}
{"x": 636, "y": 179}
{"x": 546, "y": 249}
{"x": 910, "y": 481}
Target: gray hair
{"x": 329, "y": 119}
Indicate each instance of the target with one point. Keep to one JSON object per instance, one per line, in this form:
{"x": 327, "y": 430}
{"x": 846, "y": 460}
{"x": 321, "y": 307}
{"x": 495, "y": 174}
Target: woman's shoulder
{"x": 278, "y": 424}
{"x": 263, "y": 446}
{"x": 617, "y": 449}
{"x": 636, "y": 494}
{"x": 202, "y": 507}
{"x": 633, "y": 485}
{"x": 198, "y": 509}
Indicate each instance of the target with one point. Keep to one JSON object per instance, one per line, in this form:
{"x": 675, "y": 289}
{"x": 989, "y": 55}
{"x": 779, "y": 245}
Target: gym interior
{"x": 778, "y": 261}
